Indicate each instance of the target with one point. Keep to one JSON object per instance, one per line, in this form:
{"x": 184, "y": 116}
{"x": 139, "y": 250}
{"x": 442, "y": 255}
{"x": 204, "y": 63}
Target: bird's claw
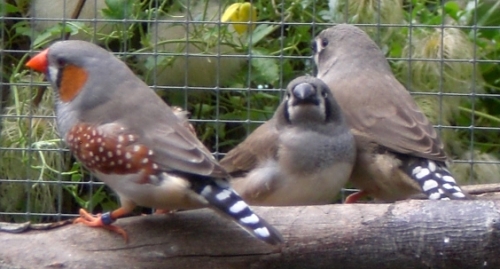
{"x": 353, "y": 198}
{"x": 96, "y": 221}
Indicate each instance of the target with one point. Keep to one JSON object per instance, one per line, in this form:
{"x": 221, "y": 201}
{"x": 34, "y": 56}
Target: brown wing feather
{"x": 260, "y": 145}
{"x": 375, "y": 103}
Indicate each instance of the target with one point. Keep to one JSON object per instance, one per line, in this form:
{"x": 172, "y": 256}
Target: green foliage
{"x": 99, "y": 197}
{"x": 24, "y": 160}
{"x": 119, "y": 9}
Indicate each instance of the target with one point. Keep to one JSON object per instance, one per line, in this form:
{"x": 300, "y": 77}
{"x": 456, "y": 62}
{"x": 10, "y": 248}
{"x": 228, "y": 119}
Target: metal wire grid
{"x": 60, "y": 185}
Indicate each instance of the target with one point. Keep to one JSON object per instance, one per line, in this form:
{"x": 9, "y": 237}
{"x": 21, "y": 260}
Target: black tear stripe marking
{"x": 434, "y": 179}
{"x": 286, "y": 114}
{"x": 222, "y": 197}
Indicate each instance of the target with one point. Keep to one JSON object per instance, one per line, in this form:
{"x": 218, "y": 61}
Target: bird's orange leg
{"x": 104, "y": 220}
{"x": 353, "y": 198}
{"x": 161, "y": 211}
{"x": 164, "y": 211}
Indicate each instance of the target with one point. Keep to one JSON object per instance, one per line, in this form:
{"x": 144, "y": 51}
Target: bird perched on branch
{"x": 302, "y": 156}
{"x": 120, "y": 130}
{"x": 398, "y": 151}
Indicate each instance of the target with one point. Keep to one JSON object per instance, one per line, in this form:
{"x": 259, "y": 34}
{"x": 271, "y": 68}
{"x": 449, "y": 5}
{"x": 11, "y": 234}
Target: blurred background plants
{"x": 229, "y": 76}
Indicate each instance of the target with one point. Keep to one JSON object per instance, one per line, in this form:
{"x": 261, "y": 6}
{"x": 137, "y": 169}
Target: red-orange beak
{"x": 39, "y": 62}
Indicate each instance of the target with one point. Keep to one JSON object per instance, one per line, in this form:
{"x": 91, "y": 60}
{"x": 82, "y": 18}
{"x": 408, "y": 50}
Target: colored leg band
{"x": 106, "y": 218}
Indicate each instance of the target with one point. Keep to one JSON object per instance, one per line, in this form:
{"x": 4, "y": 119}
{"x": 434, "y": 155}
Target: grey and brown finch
{"x": 398, "y": 151}
{"x": 302, "y": 156}
{"x": 126, "y": 136}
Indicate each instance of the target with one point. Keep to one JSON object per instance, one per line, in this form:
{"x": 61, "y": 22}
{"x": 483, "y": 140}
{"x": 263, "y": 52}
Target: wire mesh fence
{"x": 226, "y": 64}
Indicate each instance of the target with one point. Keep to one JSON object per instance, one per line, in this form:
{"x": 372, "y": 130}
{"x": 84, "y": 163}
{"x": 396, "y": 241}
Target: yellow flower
{"x": 240, "y": 12}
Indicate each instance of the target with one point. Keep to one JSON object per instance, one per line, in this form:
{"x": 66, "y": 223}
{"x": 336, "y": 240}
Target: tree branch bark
{"x": 408, "y": 234}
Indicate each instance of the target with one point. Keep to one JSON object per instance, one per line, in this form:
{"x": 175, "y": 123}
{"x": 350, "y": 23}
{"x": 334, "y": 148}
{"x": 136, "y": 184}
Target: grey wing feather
{"x": 177, "y": 148}
{"x": 157, "y": 127}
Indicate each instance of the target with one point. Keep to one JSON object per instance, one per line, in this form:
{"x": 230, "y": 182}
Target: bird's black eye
{"x": 61, "y": 62}
{"x": 287, "y": 95}
{"x": 325, "y": 94}
{"x": 314, "y": 46}
{"x": 324, "y": 42}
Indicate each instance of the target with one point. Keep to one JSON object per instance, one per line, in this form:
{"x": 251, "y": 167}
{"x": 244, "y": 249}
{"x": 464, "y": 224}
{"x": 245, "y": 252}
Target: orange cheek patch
{"x": 72, "y": 80}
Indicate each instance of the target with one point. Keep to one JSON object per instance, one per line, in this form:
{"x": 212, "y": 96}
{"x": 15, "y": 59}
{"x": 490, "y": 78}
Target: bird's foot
{"x": 100, "y": 220}
{"x": 164, "y": 211}
{"x": 353, "y": 198}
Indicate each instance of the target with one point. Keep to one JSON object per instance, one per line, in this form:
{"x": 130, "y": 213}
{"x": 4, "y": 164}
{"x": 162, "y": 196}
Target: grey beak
{"x": 304, "y": 93}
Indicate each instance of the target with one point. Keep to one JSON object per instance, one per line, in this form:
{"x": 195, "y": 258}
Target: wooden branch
{"x": 479, "y": 192}
{"x": 492, "y": 191}
{"x": 409, "y": 234}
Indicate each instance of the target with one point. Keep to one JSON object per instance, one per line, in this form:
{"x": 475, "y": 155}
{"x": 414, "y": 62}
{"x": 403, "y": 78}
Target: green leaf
{"x": 6, "y": 8}
{"x": 118, "y": 9}
{"x": 54, "y": 31}
{"x": 267, "y": 68}
{"x": 488, "y": 13}
{"x": 23, "y": 29}
{"x": 325, "y": 15}
{"x": 306, "y": 3}
{"x": 153, "y": 62}
{"x": 264, "y": 95}
{"x": 236, "y": 100}
{"x": 259, "y": 33}
{"x": 97, "y": 199}
{"x": 452, "y": 9}
{"x": 42, "y": 39}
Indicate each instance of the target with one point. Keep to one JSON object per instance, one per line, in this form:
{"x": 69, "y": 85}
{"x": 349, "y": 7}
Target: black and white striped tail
{"x": 435, "y": 180}
{"x": 221, "y": 196}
